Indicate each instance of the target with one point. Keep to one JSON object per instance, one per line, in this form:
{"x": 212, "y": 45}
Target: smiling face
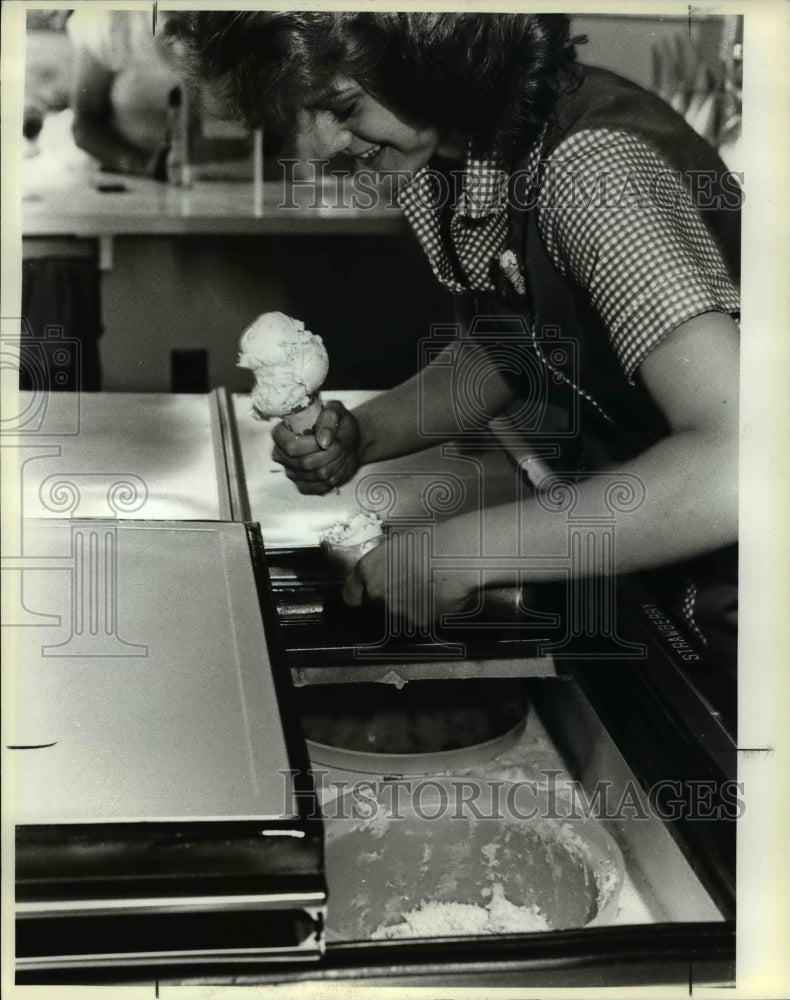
{"x": 348, "y": 120}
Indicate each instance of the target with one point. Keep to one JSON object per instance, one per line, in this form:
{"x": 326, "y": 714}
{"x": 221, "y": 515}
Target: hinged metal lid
{"x": 158, "y": 770}
{"x": 131, "y": 456}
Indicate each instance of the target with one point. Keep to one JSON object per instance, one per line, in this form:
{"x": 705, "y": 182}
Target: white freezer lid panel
{"x": 156, "y": 451}
{"x": 171, "y": 713}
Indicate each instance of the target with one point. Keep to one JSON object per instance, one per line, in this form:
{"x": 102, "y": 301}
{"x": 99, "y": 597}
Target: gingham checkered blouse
{"x": 639, "y": 249}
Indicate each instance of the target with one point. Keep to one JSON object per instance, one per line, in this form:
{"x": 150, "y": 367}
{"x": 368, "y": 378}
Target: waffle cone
{"x": 302, "y": 421}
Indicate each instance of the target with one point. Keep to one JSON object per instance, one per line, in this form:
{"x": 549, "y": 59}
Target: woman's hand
{"x": 398, "y": 575}
{"x": 327, "y": 458}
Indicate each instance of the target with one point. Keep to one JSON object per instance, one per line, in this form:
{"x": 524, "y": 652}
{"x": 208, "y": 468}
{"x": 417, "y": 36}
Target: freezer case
{"x": 164, "y": 807}
{"x": 626, "y": 709}
{"x": 673, "y": 923}
{"x": 643, "y": 713}
{"x": 167, "y": 683}
{"x": 155, "y": 839}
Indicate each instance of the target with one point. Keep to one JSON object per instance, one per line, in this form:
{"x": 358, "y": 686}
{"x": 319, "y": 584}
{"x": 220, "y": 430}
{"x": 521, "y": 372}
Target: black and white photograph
{"x": 394, "y": 434}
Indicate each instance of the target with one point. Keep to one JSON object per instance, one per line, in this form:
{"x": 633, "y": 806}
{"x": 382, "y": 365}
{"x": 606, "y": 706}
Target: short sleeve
{"x": 617, "y": 220}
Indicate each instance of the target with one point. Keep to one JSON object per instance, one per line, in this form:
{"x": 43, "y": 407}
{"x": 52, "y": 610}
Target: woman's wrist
{"x": 456, "y": 572}
{"x": 383, "y": 431}
{"x": 367, "y": 439}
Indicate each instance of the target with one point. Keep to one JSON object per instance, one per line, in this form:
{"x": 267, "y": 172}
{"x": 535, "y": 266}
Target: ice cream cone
{"x": 346, "y": 542}
{"x": 302, "y": 421}
{"x": 345, "y": 557}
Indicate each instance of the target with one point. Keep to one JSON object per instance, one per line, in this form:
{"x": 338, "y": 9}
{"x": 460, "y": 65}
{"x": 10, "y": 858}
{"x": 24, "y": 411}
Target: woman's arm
{"x": 690, "y": 486}
{"x": 92, "y": 128}
{"x": 391, "y": 424}
{"x": 430, "y": 399}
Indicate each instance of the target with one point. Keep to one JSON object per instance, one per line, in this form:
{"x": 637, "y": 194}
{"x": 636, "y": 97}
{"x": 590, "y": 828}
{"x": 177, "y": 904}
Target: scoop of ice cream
{"x": 346, "y": 542}
{"x": 289, "y": 363}
{"x": 270, "y": 340}
{"x": 278, "y": 394}
{"x": 362, "y": 527}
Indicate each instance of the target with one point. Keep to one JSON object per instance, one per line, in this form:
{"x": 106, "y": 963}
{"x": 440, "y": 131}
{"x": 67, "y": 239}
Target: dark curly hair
{"x": 492, "y": 77}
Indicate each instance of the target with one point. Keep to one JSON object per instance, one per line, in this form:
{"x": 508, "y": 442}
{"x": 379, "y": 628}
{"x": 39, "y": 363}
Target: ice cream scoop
{"x": 289, "y": 364}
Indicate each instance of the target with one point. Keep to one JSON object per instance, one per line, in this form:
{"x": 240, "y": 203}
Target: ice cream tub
{"x": 449, "y": 857}
{"x": 421, "y": 728}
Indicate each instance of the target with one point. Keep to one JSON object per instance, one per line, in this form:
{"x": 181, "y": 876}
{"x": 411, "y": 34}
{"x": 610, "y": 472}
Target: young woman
{"x": 586, "y": 207}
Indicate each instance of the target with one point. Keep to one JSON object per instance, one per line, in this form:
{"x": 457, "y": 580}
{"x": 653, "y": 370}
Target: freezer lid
{"x": 160, "y": 784}
{"x": 125, "y": 455}
{"x": 144, "y": 688}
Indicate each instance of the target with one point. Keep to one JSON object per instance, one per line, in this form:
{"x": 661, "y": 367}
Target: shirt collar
{"x": 420, "y": 193}
{"x": 484, "y": 186}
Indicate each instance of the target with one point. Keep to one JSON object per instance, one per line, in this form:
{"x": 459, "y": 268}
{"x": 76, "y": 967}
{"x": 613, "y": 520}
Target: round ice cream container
{"x": 423, "y": 727}
{"x": 431, "y": 858}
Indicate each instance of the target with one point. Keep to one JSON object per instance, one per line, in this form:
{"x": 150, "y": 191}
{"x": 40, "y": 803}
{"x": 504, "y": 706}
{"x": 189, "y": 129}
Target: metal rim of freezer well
{"x": 401, "y": 764}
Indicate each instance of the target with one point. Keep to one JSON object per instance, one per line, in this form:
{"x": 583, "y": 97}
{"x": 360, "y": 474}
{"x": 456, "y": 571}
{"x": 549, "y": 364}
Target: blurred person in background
{"x": 125, "y": 74}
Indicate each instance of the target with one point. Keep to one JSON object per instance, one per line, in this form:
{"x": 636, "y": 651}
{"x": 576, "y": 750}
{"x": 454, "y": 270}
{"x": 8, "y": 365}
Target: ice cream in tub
{"x": 414, "y": 859}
